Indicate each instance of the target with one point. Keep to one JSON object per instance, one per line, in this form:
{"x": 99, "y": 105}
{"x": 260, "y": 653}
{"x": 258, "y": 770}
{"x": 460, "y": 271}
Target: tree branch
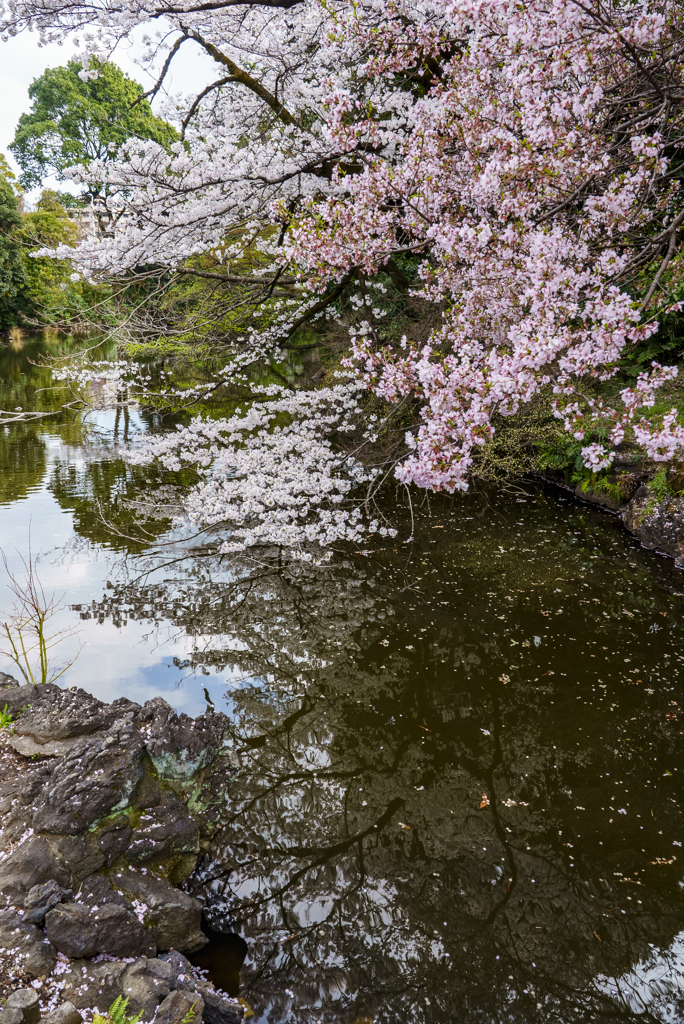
{"x": 245, "y": 79}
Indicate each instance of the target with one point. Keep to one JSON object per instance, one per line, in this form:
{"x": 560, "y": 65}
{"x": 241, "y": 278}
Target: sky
{"x": 22, "y": 60}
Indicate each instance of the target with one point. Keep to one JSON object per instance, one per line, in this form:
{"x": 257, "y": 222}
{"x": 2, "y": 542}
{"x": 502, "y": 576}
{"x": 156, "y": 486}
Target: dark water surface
{"x": 462, "y": 756}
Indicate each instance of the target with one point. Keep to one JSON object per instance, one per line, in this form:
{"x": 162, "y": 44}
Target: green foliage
{"x": 72, "y": 121}
{"x": 12, "y": 272}
{"x": 5, "y": 718}
{"x": 116, "y": 1014}
{"x": 190, "y": 1015}
{"x": 666, "y": 346}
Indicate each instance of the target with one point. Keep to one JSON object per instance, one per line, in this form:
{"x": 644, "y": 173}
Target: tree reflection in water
{"x": 461, "y": 760}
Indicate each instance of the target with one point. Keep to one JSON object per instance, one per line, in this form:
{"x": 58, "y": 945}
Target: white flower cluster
{"x": 271, "y": 475}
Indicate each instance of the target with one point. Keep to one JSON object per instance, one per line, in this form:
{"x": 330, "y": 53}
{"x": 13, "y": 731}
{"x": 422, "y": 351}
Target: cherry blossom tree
{"x": 524, "y": 158}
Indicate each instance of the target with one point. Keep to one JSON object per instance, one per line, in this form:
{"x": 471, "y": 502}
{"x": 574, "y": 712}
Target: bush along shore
{"x": 105, "y": 810}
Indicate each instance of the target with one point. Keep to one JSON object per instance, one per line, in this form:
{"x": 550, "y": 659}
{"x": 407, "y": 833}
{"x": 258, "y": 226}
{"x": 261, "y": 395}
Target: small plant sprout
{"x": 25, "y": 630}
{"x": 190, "y": 1015}
{"x": 5, "y": 718}
{"x": 116, "y": 1014}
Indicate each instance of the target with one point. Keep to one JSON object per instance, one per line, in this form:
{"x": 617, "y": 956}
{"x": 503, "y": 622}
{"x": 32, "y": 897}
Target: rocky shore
{"x": 105, "y": 810}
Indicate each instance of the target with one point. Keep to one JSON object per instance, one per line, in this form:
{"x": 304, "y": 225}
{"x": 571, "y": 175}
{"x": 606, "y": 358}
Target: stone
{"x": 26, "y": 1000}
{"x": 149, "y": 792}
{"x": 32, "y": 951}
{"x": 93, "y": 779}
{"x": 146, "y": 982}
{"x": 180, "y": 746}
{"x": 88, "y": 984}
{"x": 659, "y": 525}
{"x": 11, "y": 1015}
{"x": 7, "y": 681}
{"x": 65, "y": 1013}
{"x": 31, "y": 863}
{"x": 57, "y": 714}
{"x": 178, "y": 1006}
{"x": 96, "y": 890}
{"x": 42, "y": 898}
{"x": 163, "y": 832}
{"x": 81, "y": 857}
{"x": 217, "y": 1009}
{"x": 114, "y": 839}
{"x": 182, "y": 969}
{"x": 80, "y": 931}
{"x": 18, "y": 697}
{"x": 172, "y": 917}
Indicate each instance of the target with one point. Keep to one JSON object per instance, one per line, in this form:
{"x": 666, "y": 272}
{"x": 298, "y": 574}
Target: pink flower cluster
{"x": 502, "y": 178}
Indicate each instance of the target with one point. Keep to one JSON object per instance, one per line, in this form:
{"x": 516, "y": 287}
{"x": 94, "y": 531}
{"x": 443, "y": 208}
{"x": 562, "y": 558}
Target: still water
{"x": 461, "y": 755}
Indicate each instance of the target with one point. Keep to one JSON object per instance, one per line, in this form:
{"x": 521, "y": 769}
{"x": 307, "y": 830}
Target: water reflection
{"x": 460, "y": 795}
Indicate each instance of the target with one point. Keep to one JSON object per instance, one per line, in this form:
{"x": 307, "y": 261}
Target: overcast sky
{"x": 22, "y": 60}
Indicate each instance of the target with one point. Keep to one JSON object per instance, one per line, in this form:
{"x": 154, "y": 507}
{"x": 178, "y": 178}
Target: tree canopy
{"x": 513, "y": 169}
{"x": 77, "y": 117}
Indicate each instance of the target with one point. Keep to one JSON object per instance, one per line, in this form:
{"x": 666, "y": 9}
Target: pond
{"x": 460, "y": 795}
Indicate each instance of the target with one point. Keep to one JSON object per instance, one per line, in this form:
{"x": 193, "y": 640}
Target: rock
{"x": 217, "y": 1009}
{"x": 80, "y": 856}
{"x": 180, "y": 746}
{"x": 80, "y": 931}
{"x": 178, "y": 1006}
{"x": 146, "y": 982}
{"x": 97, "y": 890}
{"x": 58, "y": 714}
{"x": 32, "y": 951}
{"x": 65, "y": 1013}
{"x": 7, "y": 681}
{"x": 163, "y": 832}
{"x": 31, "y": 863}
{"x": 17, "y": 697}
{"x": 88, "y": 985}
{"x": 11, "y": 1015}
{"x": 96, "y": 777}
{"x": 42, "y": 898}
{"x": 182, "y": 969}
{"x": 172, "y": 917}
{"x": 115, "y": 839}
{"x": 25, "y": 1000}
{"x": 659, "y": 525}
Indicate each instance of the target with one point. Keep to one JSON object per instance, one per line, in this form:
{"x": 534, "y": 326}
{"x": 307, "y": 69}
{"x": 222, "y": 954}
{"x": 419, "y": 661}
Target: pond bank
{"x": 105, "y": 809}
{"x": 647, "y": 510}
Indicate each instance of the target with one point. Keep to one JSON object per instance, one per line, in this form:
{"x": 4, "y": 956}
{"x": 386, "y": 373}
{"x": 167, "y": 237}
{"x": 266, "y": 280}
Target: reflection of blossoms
{"x": 271, "y": 476}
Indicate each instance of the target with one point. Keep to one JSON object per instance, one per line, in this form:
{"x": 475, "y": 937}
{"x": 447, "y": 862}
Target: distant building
{"x": 97, "y": 221}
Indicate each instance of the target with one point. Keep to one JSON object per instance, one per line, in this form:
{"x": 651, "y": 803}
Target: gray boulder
{"x": 65, "y": 1013}
{"x": 25, "y": 1000}
{"x": 97, "y": 776}
{"x": 42, "y": 898}
{"x": 114, "y": 839}
{"x": 182, "y": 969}
{"x": 31, "y": 951}
{"x": 163, "y": 831}
{"x": 81, "y": 931}
{"x": 80, "y": 856}
{"x": 31, "y": 863}
{"x": 178, "y": 1005}
{"x": 145, "y": 982}
{"x": 180, "y": 746}
{"x": 172, "y": 917}
{"x": 218, "y": 1009}
{"x": 57, "y": 715}
{"x": 11, "y": 1015}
